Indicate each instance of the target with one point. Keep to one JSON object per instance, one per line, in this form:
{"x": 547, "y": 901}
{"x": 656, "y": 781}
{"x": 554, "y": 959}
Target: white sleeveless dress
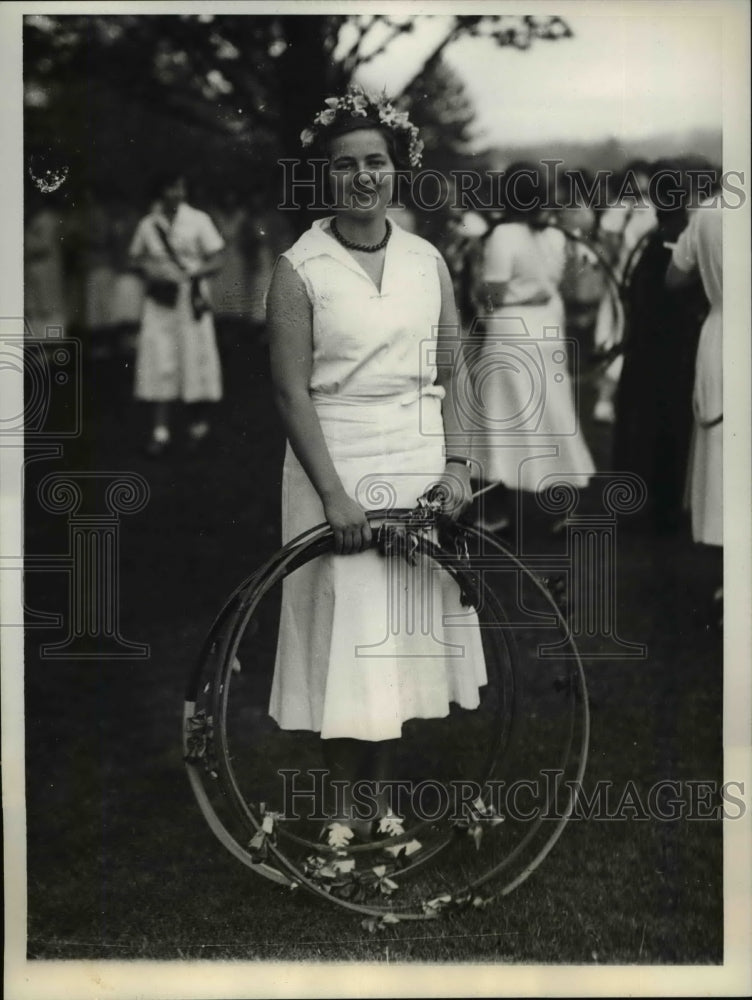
{"x": 365, "y": 642}
{"x": 526, "y": 431}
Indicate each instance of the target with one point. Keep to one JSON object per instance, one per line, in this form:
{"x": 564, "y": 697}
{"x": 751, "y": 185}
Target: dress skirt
{"x": 706, "y": 459}
{"x": 177, "y": 355}
{"x": 525, "y": 423}
{"x": 367, "y": 642}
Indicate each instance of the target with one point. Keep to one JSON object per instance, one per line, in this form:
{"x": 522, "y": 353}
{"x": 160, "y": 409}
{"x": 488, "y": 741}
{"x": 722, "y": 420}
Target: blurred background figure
{"x": 583, "y": 284}
{"x": 526, "y": 435}
{"x": 699, "y": 251}
{"x": 654, "y": 396}
{"x": 623, "y": 227}
{"x": 128, "y": 287}
{"x": 98, "y": 273}
{"x": 175, "y": 248}
{"x": 268, "y": 233}
{"x": 44, "y": 296}
{"x": 230, "y": 286}
{"x": 462, "y": 248}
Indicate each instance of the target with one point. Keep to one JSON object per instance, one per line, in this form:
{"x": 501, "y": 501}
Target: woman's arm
{"x": 492, "y": 294}
{"x": 449, "y": 351}
{"x": 291, "y": 354}
{"x": 211, "y": 263}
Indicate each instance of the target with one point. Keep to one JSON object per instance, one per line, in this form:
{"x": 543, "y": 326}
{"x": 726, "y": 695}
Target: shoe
{"x": 198, "y": 436}
{"x": 603, "y": 412}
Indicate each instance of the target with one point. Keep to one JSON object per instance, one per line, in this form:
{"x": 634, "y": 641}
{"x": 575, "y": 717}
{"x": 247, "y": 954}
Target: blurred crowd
{"x": 637, "y": 338}
{"x": 79, "y": 275}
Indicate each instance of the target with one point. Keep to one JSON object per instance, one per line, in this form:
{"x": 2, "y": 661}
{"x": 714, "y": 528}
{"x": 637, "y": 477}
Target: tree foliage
{"x": 246, "y": 83}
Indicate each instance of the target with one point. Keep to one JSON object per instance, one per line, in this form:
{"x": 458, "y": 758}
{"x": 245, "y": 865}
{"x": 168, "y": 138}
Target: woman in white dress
{"x": 699, "y": 249}
{"x": 175, "y": 247}
{"x": 526, "y": 429}
{"x": 351, "y": 309}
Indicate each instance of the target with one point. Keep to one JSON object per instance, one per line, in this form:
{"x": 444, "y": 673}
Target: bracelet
{"x": 460, "y": 459}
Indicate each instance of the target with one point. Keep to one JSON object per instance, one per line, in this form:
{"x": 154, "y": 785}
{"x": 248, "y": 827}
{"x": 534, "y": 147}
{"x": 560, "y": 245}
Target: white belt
{"x": 402, "y": 399}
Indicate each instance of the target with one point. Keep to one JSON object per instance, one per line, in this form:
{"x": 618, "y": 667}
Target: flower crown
{"x": 355, "y": 103}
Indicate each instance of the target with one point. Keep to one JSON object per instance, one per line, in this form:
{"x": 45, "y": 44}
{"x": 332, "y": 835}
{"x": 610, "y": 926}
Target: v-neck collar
{"x": 335, "y": 249}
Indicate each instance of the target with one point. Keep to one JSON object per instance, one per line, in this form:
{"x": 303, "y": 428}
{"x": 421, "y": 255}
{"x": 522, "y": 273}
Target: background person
{"x": 653, "y": 411}
{"x": 527, "y": 430}
{"x": 175, "y": 247}
{"x": 622, "y": 227}
{"x": 699, "y": 251}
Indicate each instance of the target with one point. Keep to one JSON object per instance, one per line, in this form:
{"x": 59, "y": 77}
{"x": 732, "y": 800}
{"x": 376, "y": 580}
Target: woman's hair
{"x": 355, "y": 110}
{"x": 523, "y": 191}
{"x": 343, "y": 126}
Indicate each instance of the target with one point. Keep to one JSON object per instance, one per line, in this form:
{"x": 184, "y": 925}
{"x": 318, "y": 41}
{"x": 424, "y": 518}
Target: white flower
{"x": 343, "y": 865}
{"x": 392, "y": 825}
{"x": 339, "y": 835}
{"x": 434, "y": 905}
{"x": 407, "y": 849}
{"x": 325, "y": 117}
{"x": 268, "y": 823}
{"x": 332, "y": 102}
{"x": 307, "y": 136}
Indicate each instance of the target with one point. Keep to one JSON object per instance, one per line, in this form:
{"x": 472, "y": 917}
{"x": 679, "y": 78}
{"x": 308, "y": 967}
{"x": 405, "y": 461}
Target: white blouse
{"x": 529, "y": 262}
{"x": 369, "y": 344}
{"x": 192, "y": 234}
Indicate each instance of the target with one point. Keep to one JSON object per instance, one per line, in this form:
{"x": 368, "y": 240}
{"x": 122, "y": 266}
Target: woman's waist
{"x": 377, "y": 397}
{"x": 405, "y": 423}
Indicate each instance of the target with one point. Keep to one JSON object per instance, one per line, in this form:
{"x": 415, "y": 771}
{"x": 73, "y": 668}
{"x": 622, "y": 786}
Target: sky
{"x": 623, "y": 76}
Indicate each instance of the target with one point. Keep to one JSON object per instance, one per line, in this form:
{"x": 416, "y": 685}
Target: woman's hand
{"x": 348, "y": 521}
{"x": 457, "y": 493}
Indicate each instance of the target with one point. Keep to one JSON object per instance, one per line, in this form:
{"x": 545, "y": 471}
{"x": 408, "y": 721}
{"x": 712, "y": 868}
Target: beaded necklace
{"x": 365, "y": 247}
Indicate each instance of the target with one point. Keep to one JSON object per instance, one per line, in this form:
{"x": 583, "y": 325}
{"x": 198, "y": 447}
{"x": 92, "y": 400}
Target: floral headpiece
{"x": 355, "y": 103}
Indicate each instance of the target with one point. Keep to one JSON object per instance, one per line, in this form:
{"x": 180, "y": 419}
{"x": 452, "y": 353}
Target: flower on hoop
{"x": 355, "y": 103}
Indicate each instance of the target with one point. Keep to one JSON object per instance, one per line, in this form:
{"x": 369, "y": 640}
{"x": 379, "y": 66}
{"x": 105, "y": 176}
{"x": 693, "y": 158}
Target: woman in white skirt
{"x": 352, "y": 309}
{"x": 699, "y": 249}
{"x": 175, "y": 247}
{"x": 526, "y": 427}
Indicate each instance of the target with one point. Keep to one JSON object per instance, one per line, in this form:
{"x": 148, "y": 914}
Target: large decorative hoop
{"x": 534, "y": 720}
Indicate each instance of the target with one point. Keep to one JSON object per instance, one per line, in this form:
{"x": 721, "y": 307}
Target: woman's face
{"x": 362, "y": 173}
{"x": 174, "y": 193}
